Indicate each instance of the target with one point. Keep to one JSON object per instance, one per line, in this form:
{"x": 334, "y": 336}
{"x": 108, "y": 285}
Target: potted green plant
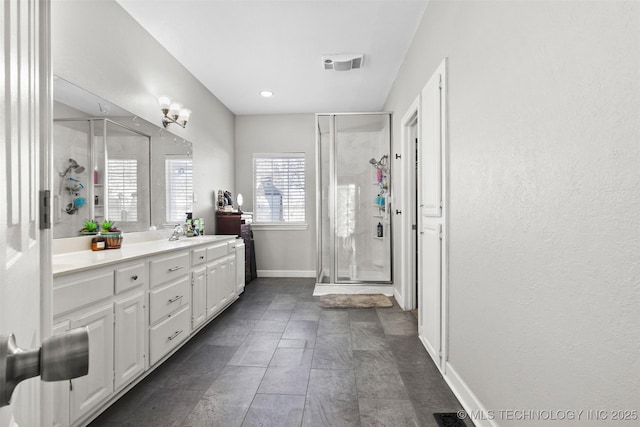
{"x": 111, "y": 233}
{"x": 90, "y": 226}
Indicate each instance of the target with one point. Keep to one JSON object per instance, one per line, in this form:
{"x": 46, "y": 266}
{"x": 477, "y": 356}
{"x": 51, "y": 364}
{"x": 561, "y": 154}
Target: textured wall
{"x": 275, "y": 249}
{"x": 544, "y": 197}
{"x": 99, "y": 47}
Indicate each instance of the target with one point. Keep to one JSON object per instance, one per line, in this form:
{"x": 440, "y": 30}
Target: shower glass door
{"x": 354, "y": 227}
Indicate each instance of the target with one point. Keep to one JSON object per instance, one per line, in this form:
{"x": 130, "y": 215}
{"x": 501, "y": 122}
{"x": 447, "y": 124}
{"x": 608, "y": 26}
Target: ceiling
{"x": 238, "y": 48}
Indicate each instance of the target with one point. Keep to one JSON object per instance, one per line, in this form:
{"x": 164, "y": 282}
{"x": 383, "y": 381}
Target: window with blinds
{"x": 179, "y": 185}
{"x": 122, "y": 190}
{"x": 279, "y": 188}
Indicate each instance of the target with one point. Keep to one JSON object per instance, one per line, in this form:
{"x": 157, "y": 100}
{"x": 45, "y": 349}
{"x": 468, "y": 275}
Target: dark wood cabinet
{"x": 233, "y": 224}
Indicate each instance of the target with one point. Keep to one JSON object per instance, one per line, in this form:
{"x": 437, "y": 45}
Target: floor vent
{"x": 449, "y": 419}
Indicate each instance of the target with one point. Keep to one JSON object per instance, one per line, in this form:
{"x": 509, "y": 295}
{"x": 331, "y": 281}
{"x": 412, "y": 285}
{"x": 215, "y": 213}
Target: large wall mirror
{"x": 111, "y": 165}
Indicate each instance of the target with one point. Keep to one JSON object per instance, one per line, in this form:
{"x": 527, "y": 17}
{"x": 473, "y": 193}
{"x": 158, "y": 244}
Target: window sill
{"x": 278, "y": 226}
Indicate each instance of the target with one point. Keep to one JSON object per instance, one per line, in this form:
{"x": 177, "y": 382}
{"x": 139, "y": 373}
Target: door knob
{"x": 61, "y": 357}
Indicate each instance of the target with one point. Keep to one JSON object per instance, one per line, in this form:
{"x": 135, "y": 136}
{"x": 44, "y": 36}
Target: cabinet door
{"x": 60, "y": 389}
{"x": 215, "y": 292}
{"x": 240, "y": 267}
{"x": 89, "y": 391}
{"x": 231, "y": 276}
{"x": 129, "y": 338}
{"x": 223, "y": 283}
{"x": 198, "y": 297}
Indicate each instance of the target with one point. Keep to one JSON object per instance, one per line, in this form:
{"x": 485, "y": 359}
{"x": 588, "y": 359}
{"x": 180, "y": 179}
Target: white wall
{"x": 99, "y": 47}
{"x": 293, "y": 252}
{"x": 544, "y": 100}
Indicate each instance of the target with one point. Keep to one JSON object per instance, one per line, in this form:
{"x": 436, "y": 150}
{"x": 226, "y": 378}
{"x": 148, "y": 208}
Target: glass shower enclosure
{"x": 353, "y": 198}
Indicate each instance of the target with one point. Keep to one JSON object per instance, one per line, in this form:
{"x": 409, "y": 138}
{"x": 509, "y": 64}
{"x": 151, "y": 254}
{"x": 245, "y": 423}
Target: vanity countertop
{"x": 72, "y": 262}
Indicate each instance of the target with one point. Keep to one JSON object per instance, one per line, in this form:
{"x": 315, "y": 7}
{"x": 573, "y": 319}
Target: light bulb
{"x": 174, "y": 110}
{"x": 183, "y": 117}
{"x": 164, "y": 102}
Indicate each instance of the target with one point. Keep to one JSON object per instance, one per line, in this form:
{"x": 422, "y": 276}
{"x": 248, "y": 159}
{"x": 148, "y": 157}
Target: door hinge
{"x": 441, "y": 204}
{"x": 413, "y": 227}
{"x": 441, "y": 235}
{"x": 440, "y": 81}
{"x": 45, "y": 209}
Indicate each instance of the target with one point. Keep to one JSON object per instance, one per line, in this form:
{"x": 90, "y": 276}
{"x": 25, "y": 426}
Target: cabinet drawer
{"x": 217, "y": 251}
{"x": 131, "y": 276}
{"x": 198, "y": 256}
{"x": 82, "y": 290}
{"x": 163, "y": 269}
{"x": 164, "y": 336}
{"x": 167, "y": 299}
{"x": 231, "y": 246}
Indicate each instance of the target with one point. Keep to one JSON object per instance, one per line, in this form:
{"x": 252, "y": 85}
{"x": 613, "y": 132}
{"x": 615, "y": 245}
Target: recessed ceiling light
{"x": 266, "y": 93}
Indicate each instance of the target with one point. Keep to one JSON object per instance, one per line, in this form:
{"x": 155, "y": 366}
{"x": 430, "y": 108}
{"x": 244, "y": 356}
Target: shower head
{"x": 73, "y": 166}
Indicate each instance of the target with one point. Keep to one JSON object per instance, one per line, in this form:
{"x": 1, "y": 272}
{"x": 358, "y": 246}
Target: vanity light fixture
{"x": 266, "y": 93}
{"x": 173, "y": 112}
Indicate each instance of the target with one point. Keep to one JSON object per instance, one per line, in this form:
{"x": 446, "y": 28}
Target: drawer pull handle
{"x": 176, "y": 268}
{"x": 175, "y": 334}
{"x": 134, "y": 277}
{"x": 201, "y": 256}
{"x": 176, "y": 298}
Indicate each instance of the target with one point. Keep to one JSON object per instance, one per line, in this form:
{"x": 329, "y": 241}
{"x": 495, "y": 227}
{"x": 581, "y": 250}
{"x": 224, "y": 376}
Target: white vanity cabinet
{"x": 116, "y": 324}
{"x": 221, "y": 277}
{"x": 169, "y": 303}
{"x": 138, "y": 306}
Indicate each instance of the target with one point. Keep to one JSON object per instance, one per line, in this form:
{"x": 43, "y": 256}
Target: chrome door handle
{"x": 61, "y": 357}
{"x": 176, "y": 268}
{"x": 176, "y": 298}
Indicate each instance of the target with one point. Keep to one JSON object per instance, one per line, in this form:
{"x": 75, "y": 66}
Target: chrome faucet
{"x": 177, "y": 232}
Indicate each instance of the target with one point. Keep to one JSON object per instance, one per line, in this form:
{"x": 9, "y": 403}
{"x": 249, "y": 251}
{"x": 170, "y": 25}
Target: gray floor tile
{"x": 344, "y": 367}
{"x": 285, "y": 380}
{"x": 333, "y": 352}
{"x": 368, "y": 336}
{"x": 270, "y": 325}
{"x": 377, "y": 375}
{"x": 292, "y": 357}
{"x": 228, "y": 399}
{"x": 363, "y": 315}
{"x": 256, "y": 350}
{"x": 398, "y": 322}
{"x": 333, "y": 322}
{"x": 274, "y": 410}
{"x": 164, "y": 407}
{"x": 331, "y": 399}
{"x": 306, "y": 311}
{"x": 302, "y": 330}
{"x": 292, "y": 343}
{"x": 231, "y": 336}
{"x": 387, "y": 412}
{"x": 276, "y": 314}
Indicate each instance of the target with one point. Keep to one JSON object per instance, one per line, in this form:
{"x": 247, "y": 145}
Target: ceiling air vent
{"x": 342, "y": 62}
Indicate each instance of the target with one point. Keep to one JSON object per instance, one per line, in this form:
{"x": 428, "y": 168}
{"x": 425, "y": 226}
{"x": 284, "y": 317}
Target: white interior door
{"x": 432, "y": 217}
{"x": 20, "y": 145}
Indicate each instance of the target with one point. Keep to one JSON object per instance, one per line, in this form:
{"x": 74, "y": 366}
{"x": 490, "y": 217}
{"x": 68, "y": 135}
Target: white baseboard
{"x": 286, "y": 273}
{"x": 329, "y": 288}
{"x": 398, "y": 296}
{"x": 476, "y": 412}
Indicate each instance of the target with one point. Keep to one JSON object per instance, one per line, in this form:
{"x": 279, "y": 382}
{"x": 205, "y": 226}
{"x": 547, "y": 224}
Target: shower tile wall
{"x": 360, "y": 255}
{"x": 70, "y": 141}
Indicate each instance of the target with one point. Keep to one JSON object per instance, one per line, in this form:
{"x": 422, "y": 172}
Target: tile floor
{"x": 274, "y": 358}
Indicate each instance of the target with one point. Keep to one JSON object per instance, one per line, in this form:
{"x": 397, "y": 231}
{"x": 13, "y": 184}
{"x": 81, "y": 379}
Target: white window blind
{"x": 279, "y": 187}
{"x": 179, "y": 173}
{"x": 122, "y": 190}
